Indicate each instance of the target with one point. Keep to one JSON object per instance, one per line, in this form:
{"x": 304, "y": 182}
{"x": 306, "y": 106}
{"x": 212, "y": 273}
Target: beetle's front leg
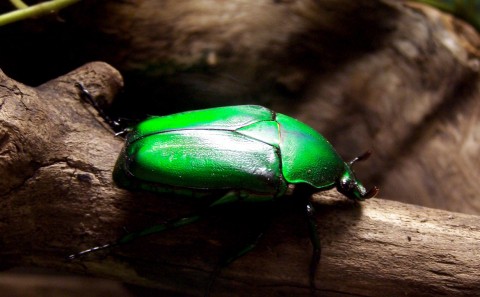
{"x": 315, "y": 239}
{"x": 116, "y": 124}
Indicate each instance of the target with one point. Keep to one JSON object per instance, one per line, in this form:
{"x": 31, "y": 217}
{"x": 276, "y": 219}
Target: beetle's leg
{"x": 234, "y": 256}
{"x": 229, "y": 260}
{"x": 229, "y": 197}
{"x": 173, "y": 224}
{"x": 315, "y": 239}
{"x": 169, "y": 225}
{"x": 239, "y": 196}
{"x": 87, "y": 97}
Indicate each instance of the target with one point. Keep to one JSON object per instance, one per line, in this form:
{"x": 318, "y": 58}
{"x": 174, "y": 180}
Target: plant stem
{"x": 19, "y": 4}
{"x": 34, "y": 10}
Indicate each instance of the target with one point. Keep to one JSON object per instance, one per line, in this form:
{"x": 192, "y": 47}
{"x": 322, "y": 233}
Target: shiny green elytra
{"x": 249, "y": 152}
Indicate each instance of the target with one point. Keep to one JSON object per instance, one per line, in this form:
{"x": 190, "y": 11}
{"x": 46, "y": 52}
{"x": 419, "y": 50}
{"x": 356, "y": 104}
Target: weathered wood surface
{"x": 57, "y": 198}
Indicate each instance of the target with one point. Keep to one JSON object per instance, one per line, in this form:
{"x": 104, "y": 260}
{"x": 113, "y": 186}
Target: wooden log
{"x": 57, "y": 197}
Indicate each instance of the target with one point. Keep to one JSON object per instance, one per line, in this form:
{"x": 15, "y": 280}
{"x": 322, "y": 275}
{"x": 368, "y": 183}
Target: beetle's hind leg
{"x": 263, "y": 216}
{"x": 169, "y": 225}
{"x": 227, "y": 261}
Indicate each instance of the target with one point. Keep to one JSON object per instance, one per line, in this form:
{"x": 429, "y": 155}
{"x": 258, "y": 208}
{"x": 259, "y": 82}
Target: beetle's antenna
{"x": 373, "y": 191}
{"x": 360, "y": 158}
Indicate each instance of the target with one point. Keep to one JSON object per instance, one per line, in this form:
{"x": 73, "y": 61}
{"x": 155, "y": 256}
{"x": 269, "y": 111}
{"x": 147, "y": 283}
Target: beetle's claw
{"x": 122, "y": 132}
{"x": 371, "y": 193}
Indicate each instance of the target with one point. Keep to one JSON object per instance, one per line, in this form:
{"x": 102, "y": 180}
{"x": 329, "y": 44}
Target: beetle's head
{"x": 350, "y": 186}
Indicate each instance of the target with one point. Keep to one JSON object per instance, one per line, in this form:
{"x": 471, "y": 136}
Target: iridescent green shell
{"x": 248, "y": 149}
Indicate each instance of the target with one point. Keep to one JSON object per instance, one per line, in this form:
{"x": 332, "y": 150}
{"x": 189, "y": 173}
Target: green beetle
{"x": 250, "y": 152}
{"x": 237, "y": 153}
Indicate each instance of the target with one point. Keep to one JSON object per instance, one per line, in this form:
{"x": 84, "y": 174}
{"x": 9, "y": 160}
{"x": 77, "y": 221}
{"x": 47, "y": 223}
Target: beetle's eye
{"x": 348, "y": 184}
{"x": 352, "y": 185}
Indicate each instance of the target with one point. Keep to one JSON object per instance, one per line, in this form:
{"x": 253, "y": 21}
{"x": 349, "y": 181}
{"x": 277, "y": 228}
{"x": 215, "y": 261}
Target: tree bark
{"x": 57, "y": 198}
